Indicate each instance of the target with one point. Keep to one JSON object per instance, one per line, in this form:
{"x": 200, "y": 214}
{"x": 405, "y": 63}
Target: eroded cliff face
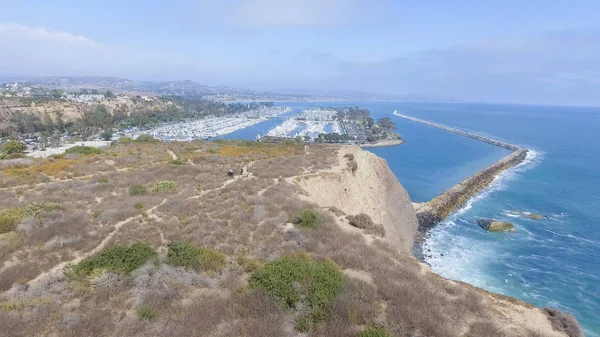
{"x": 372, "y": 189}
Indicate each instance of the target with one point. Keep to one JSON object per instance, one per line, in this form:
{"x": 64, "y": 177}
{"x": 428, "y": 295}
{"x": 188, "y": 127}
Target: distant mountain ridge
{"x": 188, "y": 87}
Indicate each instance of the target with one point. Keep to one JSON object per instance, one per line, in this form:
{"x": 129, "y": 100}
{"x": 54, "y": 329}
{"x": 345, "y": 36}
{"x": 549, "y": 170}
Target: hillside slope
{"x": 156, "y": 239}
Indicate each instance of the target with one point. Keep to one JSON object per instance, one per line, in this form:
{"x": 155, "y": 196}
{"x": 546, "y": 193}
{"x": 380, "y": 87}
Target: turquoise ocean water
{"x": 551, "y": 262}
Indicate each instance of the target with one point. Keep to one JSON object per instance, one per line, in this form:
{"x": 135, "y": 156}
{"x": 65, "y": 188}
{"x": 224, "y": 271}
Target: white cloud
{"x": 33, "y": 51}
{"x": 25, "y": 33}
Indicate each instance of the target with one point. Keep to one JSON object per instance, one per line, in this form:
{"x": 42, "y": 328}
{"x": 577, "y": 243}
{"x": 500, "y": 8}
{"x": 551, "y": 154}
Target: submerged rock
{"x": 495, "y": 226}
{"x": 534, "y": 216}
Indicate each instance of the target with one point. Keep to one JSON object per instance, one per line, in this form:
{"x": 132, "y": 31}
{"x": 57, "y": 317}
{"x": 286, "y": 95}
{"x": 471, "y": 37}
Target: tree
{"x": 306, "y": 138}
{"x": 60, "y": 124}
{"x": 57, "y": 93}
{"x": 106, "y": 135}
{"x": 386, "y": 124}
{"x": 13, "y": 146}
{"x": 109, "y": 94}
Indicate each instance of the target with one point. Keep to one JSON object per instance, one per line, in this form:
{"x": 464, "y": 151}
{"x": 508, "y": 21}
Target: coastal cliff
{"x": 141, "y": 246}
{"x": 372, "y": 189}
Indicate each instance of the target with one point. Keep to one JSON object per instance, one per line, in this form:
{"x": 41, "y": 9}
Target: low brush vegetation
{"x": 118, "y": 259}
{"x": 298, "y": 282}
{"x": 83, "y": 150}
{"x": 9, "y": 218}
{"x": 376, "y": 332}
{"x": 308, "y": 218}
{"x": 188, "y": 256}
{"x": 364, "y": 221}
{"x": 164, "y": 186}
{"x": 137, "y": 190}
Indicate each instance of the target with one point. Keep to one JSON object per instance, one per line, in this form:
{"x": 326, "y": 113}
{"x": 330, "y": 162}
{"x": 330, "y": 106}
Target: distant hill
{"x": 191, "y": 88}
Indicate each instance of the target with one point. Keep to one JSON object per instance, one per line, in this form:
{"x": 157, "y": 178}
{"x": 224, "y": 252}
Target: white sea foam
{"x": 465, "y": 258}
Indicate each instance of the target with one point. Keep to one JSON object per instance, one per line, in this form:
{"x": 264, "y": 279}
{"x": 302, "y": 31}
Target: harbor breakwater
{"x": 436, "y": 210}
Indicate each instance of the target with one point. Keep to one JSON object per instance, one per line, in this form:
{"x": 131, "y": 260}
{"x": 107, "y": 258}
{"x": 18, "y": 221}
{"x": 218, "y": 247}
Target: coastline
{"x": 429, "y": 214}
{"x": 384, "y": 143}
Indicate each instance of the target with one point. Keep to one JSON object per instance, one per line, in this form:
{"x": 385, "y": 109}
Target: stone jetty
{"x": 436, "y": 210}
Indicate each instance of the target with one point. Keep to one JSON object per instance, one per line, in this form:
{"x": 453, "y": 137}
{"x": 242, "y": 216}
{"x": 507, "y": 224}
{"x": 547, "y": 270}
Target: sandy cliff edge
{"x": 373, "y": 189}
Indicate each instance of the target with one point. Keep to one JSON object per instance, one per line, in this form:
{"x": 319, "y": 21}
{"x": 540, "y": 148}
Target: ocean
{"x": 551, "y": 262}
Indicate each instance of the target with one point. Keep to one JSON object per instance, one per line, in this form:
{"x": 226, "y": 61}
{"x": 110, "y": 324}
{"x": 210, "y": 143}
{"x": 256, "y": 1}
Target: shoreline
{"x": 383, "y": 143}
{"x": 431, "y": 213}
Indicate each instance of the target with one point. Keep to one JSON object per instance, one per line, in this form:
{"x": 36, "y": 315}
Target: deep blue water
{"x": 551, "y": 262}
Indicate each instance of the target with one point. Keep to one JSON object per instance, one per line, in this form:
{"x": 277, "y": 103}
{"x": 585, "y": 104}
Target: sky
{"x": 511, "y": 51}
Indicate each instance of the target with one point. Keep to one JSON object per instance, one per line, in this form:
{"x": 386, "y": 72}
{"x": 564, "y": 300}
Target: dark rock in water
{"x": 495, "y": 226}
{"x": 534, "y": 216}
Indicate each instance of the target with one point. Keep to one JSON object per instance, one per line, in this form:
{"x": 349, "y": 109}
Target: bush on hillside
{"x": 146, "y": 139}
{"x": 298, "y": 278}
{"x": 352, "y": 166}
{"x": 137, "y": 189}
{"x": 13, "y": 146}
{"x": 564, "y": 322}
{"x": 375, "y": 332}
{"x": 83, "y": 150}
{"x": 364, "y": 221}
{"x": 9, "y": 218}
{"x": 188, "y": 256}
{"x": 308, "y": 218}
{"x": 118, "y": 259}
{"x": 164, "y": 186}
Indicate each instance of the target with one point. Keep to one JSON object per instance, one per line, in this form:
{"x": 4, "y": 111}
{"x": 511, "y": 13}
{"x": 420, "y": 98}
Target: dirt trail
{"x": 172, "y": 154}
{"x": 95, "y": 250}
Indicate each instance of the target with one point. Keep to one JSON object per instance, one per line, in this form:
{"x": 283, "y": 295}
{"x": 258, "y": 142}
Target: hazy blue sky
{"x": 535, "y": 51}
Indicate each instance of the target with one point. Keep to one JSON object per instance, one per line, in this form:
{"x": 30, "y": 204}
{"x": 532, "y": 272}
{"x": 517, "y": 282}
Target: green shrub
{"x": 146, "y": 313}
{"x": 106, "y": 135}
{"x": 37, "y": 208}
{"x": 103, "y": 180}
{"x": 299, "y": 278}
{"x": 307, "y": 218}
{"x": 138, "y": 205}
{"x": 122, "y": 141}
{"x": 83, "y": 150}
{"x": 146, "y": 139}
{"x": 375, "y": 332}
{"x": 137, "y": 190}
{"x": 191, "y": 257}
{"x": 9, "y": 218}
{"x": 213, "y": 150}
{"x": 164, "y": 186}
{"x": 15, "y": 155}
{"x": 96, "y": 214}
{"x": 211, "y": 260}
{"x": 178, "y": 161}
{"x": 13, "y": 146}
{"x": 118, "y": 259}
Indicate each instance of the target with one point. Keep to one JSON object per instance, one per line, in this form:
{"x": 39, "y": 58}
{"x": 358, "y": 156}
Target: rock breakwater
{"x": 436, "y": 210}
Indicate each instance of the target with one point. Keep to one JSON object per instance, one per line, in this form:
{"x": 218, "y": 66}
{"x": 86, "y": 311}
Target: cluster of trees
{"x": 27, "y": 123}
{"x": 383, "y": 129}
{"x": 333, "y": 138}
{"x": 99, "y": 119}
